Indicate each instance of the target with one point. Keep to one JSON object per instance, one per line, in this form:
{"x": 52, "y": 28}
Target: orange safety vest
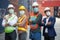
{"x": 20, "y": 19}
{"x": 31, "y": 25}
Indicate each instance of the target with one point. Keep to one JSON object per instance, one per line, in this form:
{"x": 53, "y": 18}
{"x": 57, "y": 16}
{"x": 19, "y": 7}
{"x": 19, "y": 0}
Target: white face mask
{"x": 36, "y": 9}
{"x": 48, "y": 13}
{"x": 22, "y": 12}
{"x": 11, "y": 11}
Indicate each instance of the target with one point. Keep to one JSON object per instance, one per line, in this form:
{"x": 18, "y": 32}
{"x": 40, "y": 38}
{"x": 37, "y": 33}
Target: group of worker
{"x": 11, "y": 22}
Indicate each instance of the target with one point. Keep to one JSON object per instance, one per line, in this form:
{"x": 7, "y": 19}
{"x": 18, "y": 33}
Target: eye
{"x": 35, "y": 6}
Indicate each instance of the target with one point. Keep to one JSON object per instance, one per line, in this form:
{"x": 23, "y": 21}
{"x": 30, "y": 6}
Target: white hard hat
{"x": 10, "y": 6}
{"x": 35, "y": 4}
{"x": 47, "y": 8}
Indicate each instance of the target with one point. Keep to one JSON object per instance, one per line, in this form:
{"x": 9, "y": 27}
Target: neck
{"x": 36, "y": 13}
{"x": 48, "y": 16}
{"x": 21, "y": 15}
{"x": 10, "y": 14}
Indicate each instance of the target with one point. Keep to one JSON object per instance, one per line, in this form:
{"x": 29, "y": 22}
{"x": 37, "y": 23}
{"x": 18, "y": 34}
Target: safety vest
{"x": 21, "y": 28}
{"x": 33, "y": 18}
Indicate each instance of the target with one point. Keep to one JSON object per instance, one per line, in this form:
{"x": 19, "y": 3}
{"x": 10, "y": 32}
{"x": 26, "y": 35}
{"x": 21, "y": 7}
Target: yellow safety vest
{"x": 20, "y": 19}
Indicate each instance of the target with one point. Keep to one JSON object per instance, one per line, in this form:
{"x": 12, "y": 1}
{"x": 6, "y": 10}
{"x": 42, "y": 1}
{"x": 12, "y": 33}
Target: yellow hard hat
{"x": 21, "y": 8}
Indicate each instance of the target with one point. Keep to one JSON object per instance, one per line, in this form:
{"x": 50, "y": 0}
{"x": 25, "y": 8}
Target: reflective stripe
{"x": 20, "y": 19}
{"x": 22, "y": 29}
{"x": 11, "y": 18}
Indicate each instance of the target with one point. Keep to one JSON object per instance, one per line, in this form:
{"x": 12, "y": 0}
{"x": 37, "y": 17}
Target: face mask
{"x": 22, "y": 12}
{"x": 11, "y": 11}
{"x": 48, "y": 13}
{"x": 35, "y": 10}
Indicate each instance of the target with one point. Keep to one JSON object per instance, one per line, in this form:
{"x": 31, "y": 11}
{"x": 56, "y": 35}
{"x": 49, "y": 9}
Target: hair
{"x": 46, "y": 11}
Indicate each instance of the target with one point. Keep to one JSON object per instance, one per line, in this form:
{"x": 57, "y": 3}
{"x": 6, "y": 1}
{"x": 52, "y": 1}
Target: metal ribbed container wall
{"x": 23, "y": 2}
{"x": 4, "y": 3}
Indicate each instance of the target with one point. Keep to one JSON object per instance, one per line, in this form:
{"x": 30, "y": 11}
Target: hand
{"x": 6, "y": 19}
{"x": 30, "y": 20}
{"x": 49, "y": 23}
{"x": 17, "y": 24}
{"x": 7, "y": 25}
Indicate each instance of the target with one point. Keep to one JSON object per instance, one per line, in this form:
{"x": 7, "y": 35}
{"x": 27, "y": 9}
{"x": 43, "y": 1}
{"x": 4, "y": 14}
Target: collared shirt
{"x": 11, "y": 21}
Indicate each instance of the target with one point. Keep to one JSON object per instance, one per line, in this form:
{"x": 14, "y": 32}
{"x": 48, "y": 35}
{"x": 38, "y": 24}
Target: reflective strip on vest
{"x": 22, "y": 29}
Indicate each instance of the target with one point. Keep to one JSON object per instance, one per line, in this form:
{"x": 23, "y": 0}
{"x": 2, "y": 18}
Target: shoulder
{"x": 15, "y": 16}
{"x": 40, "y": 14}
{"x": 6, "y": 16}
{"x": 19, "y": 18}
{"x": 44, "y": 17}
{"x": 52, "y": 17}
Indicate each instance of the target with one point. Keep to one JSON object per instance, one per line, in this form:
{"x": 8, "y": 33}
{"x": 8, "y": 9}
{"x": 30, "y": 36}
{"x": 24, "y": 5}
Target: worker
{"x": 9, "y": 22}
{"x": 35, "y": 19}
{"x": 22, "y": 23}
{"x": 49, "y": 32}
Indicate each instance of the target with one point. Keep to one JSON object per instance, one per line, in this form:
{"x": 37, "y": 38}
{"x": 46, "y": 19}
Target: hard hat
{"x": 35, "y": 4}
{"x": 21, "y": 8}
{"x": 10, "y": 6}
{"x": 47, "y": 8}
